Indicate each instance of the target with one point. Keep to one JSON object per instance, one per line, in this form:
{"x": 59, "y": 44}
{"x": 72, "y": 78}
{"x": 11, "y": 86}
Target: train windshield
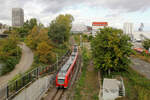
{"x": 61, "y": 81}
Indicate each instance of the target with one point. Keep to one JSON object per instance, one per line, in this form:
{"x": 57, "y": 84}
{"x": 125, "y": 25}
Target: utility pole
{"x": 57, "y": 60}
{"x": 80, "y": 41}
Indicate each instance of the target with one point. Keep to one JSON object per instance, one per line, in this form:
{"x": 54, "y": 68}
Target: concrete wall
{"x": 36, "y": 90}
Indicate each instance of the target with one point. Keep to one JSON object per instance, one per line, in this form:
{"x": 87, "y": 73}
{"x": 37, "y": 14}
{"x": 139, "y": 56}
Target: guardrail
{"x": 9, "y": 90}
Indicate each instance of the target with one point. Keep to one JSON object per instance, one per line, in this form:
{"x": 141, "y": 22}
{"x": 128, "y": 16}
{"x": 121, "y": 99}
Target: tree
{"x": 59, "y": 29}
{"x": 146, "y": 44}
{"x": 9, "y": 52}
{"x": 1, "y": 25}
{"x": 44, "y": 53}
{"x": 37, "y": 36}
{"x": 111, "y": 50}
{"x": 32, "y": 23}
{"x": 25, "y": 29}
{"x": 43, "y": 36}
{"x": 32, "y": 39}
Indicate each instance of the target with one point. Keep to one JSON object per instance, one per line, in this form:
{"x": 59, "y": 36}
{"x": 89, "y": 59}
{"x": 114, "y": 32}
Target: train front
{"x": 60, "y": 80}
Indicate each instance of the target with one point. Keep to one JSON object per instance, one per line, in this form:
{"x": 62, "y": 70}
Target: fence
{"x": 9, "y": 90}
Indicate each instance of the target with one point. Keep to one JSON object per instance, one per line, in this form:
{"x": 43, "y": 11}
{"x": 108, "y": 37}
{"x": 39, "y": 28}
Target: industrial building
{"x": 97, "y": 25}
{"x": 17, "y": 17}
{"x": 128, "y": 29}
{"x": 78, "y": 28}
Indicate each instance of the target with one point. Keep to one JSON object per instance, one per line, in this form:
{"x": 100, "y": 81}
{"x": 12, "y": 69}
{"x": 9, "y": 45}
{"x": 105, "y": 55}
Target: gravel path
{"x": 141, "y": 66}
{"x": 24, "y": 64}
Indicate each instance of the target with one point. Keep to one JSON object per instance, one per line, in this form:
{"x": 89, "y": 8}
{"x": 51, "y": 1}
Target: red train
{"x": 65, "y": 74}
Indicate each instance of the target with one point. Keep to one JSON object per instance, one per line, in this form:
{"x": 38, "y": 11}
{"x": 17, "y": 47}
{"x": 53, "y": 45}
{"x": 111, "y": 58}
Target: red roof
{"x": 99, "y": 24}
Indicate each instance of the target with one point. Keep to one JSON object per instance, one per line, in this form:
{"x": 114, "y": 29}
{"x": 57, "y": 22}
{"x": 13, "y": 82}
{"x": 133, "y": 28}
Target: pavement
{"x": 24, "y": 64}
{"x": 141, "y": 66}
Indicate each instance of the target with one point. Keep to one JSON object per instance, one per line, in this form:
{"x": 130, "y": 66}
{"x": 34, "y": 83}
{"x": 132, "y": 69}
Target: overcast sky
{"x": 115, "y": 12}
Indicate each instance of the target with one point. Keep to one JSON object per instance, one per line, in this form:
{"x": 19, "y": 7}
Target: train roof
{"x": 62, "y": 73}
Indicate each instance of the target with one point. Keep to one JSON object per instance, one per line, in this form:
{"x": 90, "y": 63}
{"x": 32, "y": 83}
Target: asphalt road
{"x": 141, "y": 66}
{"x": 24, "y": 64}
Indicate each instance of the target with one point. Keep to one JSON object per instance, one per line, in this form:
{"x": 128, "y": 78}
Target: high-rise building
{"x": 17, "y": 17}
{"x": 128, "y": 29}
{"x": 97, "y": 25}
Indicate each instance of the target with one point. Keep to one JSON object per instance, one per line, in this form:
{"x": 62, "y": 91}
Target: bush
{"x": 146, "y": 44}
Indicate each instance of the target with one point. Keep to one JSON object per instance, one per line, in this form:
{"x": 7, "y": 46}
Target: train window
{"x": 61, "y": 81}
{"x": 75, "y": 49}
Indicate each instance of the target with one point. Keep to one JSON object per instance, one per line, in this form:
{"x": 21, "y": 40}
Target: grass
{"x": 88, "y": 81}
{"x": 137, "y": 86}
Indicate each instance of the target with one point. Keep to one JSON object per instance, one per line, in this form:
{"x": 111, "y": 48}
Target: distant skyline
{"x": 115, "y": 12}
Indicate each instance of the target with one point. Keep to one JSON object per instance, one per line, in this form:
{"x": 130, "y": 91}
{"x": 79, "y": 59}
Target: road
{"x": 24, "y": 64}
{"x": 141, "y": 66}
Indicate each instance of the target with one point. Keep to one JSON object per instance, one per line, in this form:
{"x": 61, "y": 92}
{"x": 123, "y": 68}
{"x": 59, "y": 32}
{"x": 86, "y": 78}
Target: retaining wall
{"x": 36, "y": 90}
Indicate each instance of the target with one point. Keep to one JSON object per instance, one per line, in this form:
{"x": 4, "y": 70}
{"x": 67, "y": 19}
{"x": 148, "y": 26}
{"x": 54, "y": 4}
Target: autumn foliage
{"x": 40, "y": 43}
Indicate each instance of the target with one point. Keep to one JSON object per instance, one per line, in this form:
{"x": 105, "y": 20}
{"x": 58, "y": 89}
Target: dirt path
{"x": 141, "y": 66}
{"x": 24, "y": 64}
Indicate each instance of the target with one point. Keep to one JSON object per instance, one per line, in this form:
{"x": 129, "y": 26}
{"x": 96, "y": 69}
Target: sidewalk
{"x": 141, "y": 66}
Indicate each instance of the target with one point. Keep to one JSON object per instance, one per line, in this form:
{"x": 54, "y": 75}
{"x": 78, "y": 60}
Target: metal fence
{"x": 9, "y": 90}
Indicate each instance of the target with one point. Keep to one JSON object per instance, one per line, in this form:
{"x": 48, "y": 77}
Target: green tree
{"x": 111, "y": 50}
{"x": 9, "y": 52}
{"x": 146, "y": 43}
{"x": 25, "y": 29}
{"x": 1, "y": 25}
{"x": 32, "y": 23}
{"x": 59, "y": 29}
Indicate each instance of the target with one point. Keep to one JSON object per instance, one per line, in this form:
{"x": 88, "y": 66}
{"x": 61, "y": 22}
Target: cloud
{"x": 128, "y": 5}
{"x": 46, "y": 10}
{"x": 122, "y": 5}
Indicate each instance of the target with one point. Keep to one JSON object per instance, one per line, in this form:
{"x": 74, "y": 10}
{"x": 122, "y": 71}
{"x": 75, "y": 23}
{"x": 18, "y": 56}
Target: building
{"x": 78, "y": 28}
{"x": 128, "y": 29}
{"x": 17, "y": 17}
{"x": 140, "y": 36}
{"x": 97, "y": 25}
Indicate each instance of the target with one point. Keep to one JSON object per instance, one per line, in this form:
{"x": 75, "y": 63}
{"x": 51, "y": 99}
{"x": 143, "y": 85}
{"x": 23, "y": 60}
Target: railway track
{"x": 58, "y": 94}
{"x": 55, "y": 94}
